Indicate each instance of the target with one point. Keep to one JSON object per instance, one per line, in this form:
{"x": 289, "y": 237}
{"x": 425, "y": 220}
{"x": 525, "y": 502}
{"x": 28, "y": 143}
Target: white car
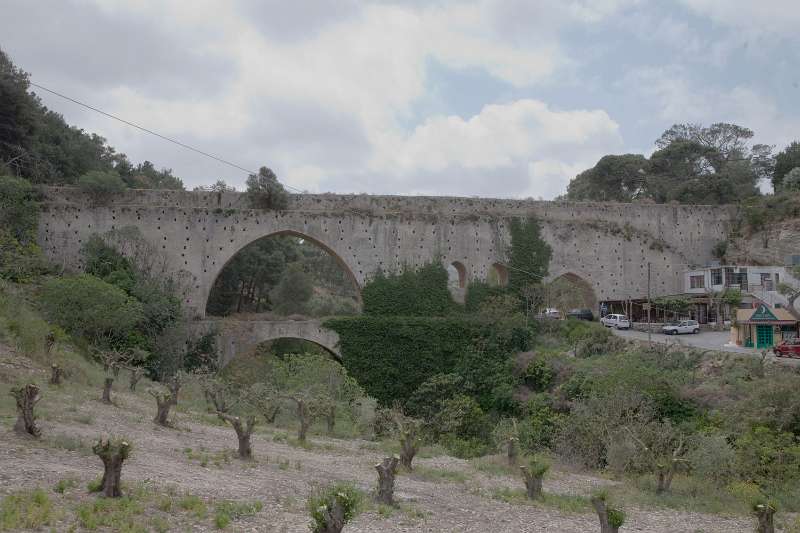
{"x": 684, "y": 326}
{"x": 616, "y": 321}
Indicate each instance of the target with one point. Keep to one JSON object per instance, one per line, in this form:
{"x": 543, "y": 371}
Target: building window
{"x": 730, "y": 277}
{"x": 795, "y": 259}
{"x": 766, "y": 281}
{"x": 697, "y": 282}
{"x": 716, "y": 276}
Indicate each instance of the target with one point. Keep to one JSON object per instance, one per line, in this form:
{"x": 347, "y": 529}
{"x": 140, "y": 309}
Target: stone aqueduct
{"x": 196, "y": 233}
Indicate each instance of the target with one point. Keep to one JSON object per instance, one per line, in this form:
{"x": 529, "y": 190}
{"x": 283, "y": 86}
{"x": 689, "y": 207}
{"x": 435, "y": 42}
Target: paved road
{"x": 708, "y": 340}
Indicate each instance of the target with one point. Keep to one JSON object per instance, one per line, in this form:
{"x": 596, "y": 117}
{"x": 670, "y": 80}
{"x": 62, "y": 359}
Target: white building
{"x": 760, "y": 282}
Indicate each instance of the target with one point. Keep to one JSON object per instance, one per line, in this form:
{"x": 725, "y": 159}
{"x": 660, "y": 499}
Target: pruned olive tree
{"x": 164, "y": 403}
{"x": 26, "y": 398}
{"x": 533, "y": 474}
{"x": 506, "y": 435}
{"x": 243, "y": 426}
{"x": 611, "y": 519}
{"x": 409, "y": 431}
{"x": 386, "y": 469}
{"x": 316, "y": 385}
{"x": 113, "y": 362}
{"x": 113, "y": 452}
{"x": 264, "y": 400}
{"x": 663, "y": 448}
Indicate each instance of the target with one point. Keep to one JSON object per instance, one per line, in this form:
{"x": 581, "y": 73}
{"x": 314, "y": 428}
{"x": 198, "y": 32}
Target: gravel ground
{"x": 282, "y": 476}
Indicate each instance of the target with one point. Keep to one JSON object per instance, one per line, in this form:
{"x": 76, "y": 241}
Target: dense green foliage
{"x": 246, "y": 283}
{"x": 420, "y": 292}
{"x": 265, "y": 191}
{"x": 36, "y": 143}
{"x": 693, "y": 164}
{"x": 787, "y": 160}
{"x": 529, "y": 255}
{"x": 391, "y": 357}
{"x": 88, "y": 306}
{"x": 101, "y": 186}
{"x": 20, "y": 257}
{"x": 293, "y": 291}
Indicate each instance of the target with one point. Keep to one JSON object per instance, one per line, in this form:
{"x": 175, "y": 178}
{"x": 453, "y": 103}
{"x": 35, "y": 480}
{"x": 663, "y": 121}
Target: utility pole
{"x": 649, "y": 329}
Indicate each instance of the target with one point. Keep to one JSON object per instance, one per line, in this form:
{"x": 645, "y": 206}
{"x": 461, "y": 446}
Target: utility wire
{"x": 151, "y": 132}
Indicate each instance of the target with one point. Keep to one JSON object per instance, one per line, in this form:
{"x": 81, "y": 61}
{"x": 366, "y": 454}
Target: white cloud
{"x": 763, "y": 18}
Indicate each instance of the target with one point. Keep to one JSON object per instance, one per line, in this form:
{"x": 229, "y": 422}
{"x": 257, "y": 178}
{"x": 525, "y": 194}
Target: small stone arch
{"x": 239, "y": 336}
{"x": 457, "y": 275}
{"x": 498, "y": 275}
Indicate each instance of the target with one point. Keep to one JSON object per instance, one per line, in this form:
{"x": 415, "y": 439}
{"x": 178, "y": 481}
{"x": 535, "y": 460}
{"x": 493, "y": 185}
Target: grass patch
{"x": 204, "y": 458}
{"x": 439, "y": 474}
{"x": 64, "y": 484}
{"x": 119, "y": 514}
{"x": 494, "y": 466}
{"x": 565, "y": 503}
{"x": 67, "y": 442}
{"x": 193, "y": 504}
{"x": 227, "y": 511}
{"x": 95, "y": 485}
{"x": 27, "y": 510}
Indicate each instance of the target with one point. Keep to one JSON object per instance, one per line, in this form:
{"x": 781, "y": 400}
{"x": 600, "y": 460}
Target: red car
{"x": 788, "y": 348}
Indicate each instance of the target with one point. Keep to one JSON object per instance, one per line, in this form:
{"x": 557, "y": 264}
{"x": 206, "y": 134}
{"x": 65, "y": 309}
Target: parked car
{"x": 616, "y": 321}
{"x": 684, "y": 326}
{"x": 787, "y": 348}
{"x": 551, "y": 312}
{"x": 581, "y": 314}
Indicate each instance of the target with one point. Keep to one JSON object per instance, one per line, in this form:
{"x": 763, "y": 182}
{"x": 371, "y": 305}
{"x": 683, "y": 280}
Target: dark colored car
{"x": 788, "y": 348}
{"x": 581, "y": 314}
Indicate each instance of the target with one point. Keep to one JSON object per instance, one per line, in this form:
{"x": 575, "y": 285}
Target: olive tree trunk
{"x": 163, "y": 405}
{"x": 409, "y": 445}
{"x": 386, "y": 471}
{"x": 765, "y": 514}
{"x": 136, "y": 375}
{"x": 332, "y": 517}
{"x": 533, "y": 483}
{"x": 107, "y": 389}
{"x": 243, "y": 433}
{"x": 511, "y": 449}
{"x": 26, "y": 398}
{"x": 113, "y": 454}
{"x": 56, "y": 374}
{"x": 330, "y": 418}
{"x": 599, "y": 505}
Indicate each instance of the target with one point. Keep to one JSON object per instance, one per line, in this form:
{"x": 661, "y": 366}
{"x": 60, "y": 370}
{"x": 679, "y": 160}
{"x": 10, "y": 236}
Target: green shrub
{"x": 19, "y": 209}
{"x": 427, "y": 400}
{"x": 539, "y": 425}
{"x": 420, "y": 292}
{"x": 264, "y": 191}
{"x": 87, "y": 306}
{"x": 344, "y": 494}
{"x": 538, "y": 375}
{"x": 465, "y": 448}
{"x": 462, "y": 417}
{"x": 101, "y": 186}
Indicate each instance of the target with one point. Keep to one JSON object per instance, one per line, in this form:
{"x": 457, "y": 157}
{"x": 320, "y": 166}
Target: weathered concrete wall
{"x": 608, "y": 245}
{"x": 235, "y": 337}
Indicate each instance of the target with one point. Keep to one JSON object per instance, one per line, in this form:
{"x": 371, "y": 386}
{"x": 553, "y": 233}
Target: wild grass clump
{"x": 27, "y": 510}
{"x": 227, "y": 511}
{"x": 119, "y": 514}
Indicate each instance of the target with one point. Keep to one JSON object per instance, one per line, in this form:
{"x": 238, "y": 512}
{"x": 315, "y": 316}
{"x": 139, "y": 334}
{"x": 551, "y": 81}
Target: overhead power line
{"x": 151, "y": 132}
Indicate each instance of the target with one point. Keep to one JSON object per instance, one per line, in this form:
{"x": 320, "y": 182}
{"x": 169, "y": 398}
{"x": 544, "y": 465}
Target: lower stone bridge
{"x": 235, "y": 337}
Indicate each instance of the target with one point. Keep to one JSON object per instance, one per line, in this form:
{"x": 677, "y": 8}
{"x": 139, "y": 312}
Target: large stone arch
{"x": 581, "y": 282}
{"x": 235, "y": 337}
{"x": 348, "y": 269}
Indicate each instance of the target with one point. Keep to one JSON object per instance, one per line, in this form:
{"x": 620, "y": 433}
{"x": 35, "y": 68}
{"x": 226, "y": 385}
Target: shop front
{"x": 763, "y": 327}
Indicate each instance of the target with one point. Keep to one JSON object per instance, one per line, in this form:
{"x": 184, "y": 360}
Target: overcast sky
{"x": 495, "y": 98}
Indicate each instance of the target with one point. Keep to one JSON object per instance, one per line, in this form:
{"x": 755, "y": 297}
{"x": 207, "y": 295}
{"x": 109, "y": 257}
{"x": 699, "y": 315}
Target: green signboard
{"x": 763, "y": 313}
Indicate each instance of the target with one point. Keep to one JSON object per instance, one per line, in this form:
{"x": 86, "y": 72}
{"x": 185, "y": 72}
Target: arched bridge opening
{"x": 281, "y": 274}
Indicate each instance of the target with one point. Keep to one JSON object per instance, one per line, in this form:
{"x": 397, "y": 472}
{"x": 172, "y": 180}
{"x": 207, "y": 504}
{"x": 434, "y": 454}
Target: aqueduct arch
{"x": 607, "y": 245}
{"x": 581, "y": 287}
{"x": 346, "y": 268}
